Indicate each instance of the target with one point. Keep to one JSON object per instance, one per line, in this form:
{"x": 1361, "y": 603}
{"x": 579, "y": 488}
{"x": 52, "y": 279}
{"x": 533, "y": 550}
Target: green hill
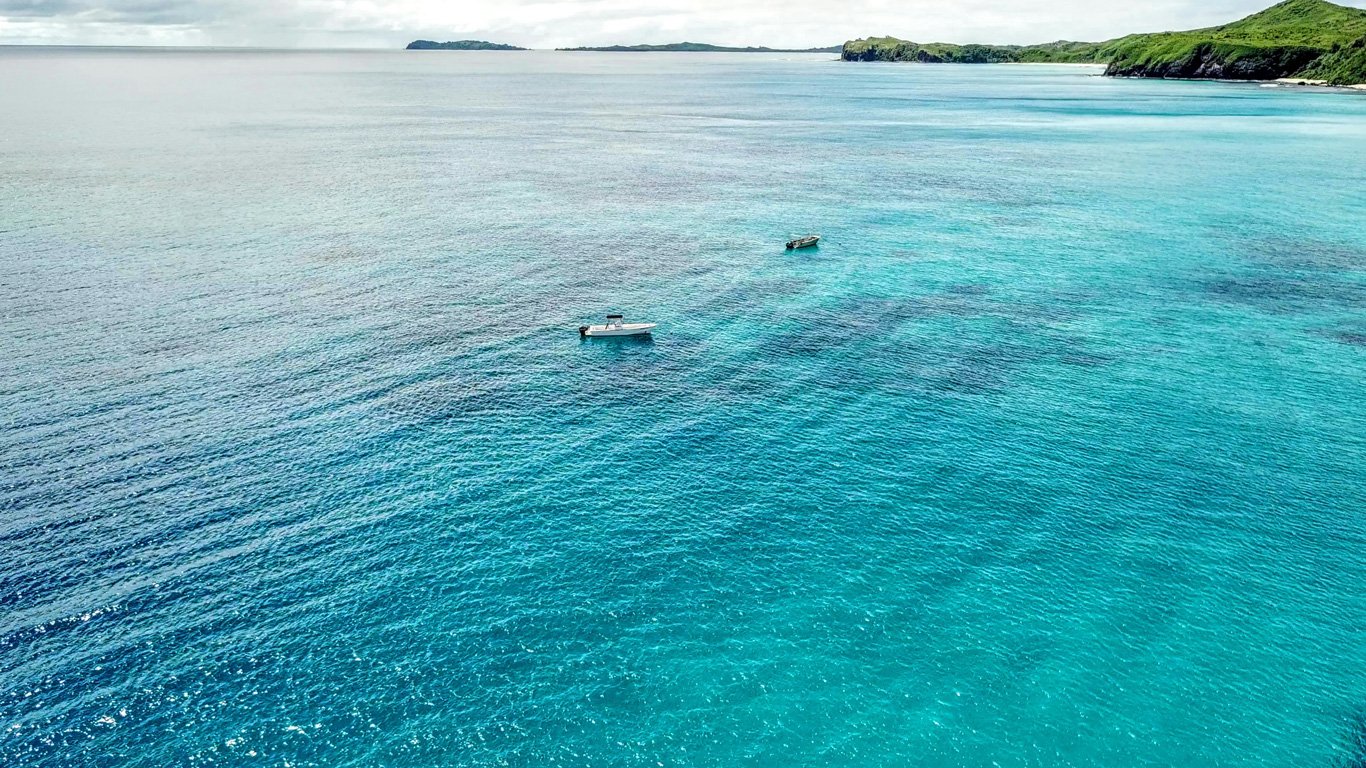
{"x": 1296, "y": 38}
{"x": 1342, "y": 65}
{"x": 460, "y": 45}
{"x": 1282, "y": 41}
{"x": 895, "y": 49}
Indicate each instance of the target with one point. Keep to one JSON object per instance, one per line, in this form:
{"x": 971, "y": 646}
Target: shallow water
{"x": 1052, "y": 454}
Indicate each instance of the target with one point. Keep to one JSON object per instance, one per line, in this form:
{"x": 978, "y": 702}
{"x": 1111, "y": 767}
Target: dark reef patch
{"x": 982, "y": 368}
{"x": 1312, "y": 255}
{"x": 1083, "y": 358}
{"x": 809, "y": 342}
{"x": 1353, "y": 754}
{"x": 1351, "y": 338}
{"x": 970, "y": 360}
{"x": 857, "y": 320}
{"x": 968, "y": 289}
{"x": 956, "y": 301}
{"x": 1282, "y": 293}
{"x": 827, "y": 330}
{"x": 750, "y": 297}
{"x": 779, "y": 286}
{"x": 1290, "y": 275}
{"x": 437, "y": 398}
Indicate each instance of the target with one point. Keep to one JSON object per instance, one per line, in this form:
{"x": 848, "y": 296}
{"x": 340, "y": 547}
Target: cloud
{"x": 158, "y": 12}
{"x": 542, "y": 23}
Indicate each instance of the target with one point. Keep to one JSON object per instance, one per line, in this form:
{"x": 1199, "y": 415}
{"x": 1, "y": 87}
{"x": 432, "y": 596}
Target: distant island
{"x": 460, "y": 45}
{"x": 700, "y": 48}
{"x": 1312, "y": 41}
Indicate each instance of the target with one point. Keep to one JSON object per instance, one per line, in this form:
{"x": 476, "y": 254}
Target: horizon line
{"x": 522, "y": 49}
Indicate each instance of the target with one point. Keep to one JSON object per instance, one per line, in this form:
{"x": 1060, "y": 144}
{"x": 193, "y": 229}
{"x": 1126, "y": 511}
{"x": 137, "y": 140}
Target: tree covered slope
{"x": 896, "y": 49}
{"x": 1282, "y": 41}
{"x": 1342, "y": 65}
{"x": 460, "y": 45}
{"x": 1296, "y": 38}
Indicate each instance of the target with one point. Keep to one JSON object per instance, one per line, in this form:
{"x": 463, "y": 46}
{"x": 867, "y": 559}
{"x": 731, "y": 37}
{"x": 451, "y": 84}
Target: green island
{"x": 460, "y": 45}
{"x": 1310, "y": 40}
{"x": 700, "y": 48}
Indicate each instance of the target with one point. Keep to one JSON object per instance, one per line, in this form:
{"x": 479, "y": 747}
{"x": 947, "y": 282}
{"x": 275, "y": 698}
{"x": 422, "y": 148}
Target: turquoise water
{"x": 1052, "y": 454}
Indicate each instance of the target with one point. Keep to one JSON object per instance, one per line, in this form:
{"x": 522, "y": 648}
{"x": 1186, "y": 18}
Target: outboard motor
{"x": 583, "y": 331}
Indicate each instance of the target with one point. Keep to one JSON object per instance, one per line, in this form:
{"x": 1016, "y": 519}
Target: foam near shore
{"x": 1302, "y": 82}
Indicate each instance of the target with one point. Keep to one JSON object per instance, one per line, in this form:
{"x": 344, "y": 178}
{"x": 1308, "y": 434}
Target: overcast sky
{"x": 546, "y": 24}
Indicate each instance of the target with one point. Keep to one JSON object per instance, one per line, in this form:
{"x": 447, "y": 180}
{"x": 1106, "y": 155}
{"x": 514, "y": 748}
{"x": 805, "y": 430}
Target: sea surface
{"x": 1052, "y": 454}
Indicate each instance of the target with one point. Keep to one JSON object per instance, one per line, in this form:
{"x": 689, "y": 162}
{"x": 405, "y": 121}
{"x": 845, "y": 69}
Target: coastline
{"x": 1294, "y": 42}
{"x": 1301, "y": 82}
{"x": 1292, "y": 82}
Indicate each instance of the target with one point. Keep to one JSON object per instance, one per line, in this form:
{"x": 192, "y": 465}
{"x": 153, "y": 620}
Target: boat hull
{"x": 626, "y": 329}
{"x": 803, "y": 242}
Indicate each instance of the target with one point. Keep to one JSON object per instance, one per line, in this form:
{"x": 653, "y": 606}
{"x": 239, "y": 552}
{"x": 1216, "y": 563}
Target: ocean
{"x": 1053, "y": 453}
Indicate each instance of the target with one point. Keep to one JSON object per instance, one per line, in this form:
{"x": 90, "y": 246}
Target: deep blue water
{"x": 1053, "y": 454}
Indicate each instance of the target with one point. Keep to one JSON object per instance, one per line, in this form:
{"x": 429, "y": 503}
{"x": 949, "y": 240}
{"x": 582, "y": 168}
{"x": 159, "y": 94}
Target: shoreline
{"x": 1290, "y": 82}
{"x": 1293, "y": 82}
{"x": 1301, "y": 82}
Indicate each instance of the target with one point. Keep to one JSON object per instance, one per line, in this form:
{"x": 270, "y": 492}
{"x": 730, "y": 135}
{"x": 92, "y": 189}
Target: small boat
{"x": 803, "y": 242}
{"x": 615, "y": 327}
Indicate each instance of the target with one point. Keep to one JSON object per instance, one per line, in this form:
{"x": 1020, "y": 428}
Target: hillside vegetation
{"x": 1342, "y": 65}
{"x": 1297, "y": 38}
{"x": 895, "y": 49}
{"x": 460, "y": 45}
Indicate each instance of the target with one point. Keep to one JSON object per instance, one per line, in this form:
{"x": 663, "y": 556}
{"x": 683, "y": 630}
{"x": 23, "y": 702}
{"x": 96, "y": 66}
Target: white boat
{"x": 805, "y": 241}
{"x": 615, "y": 327}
